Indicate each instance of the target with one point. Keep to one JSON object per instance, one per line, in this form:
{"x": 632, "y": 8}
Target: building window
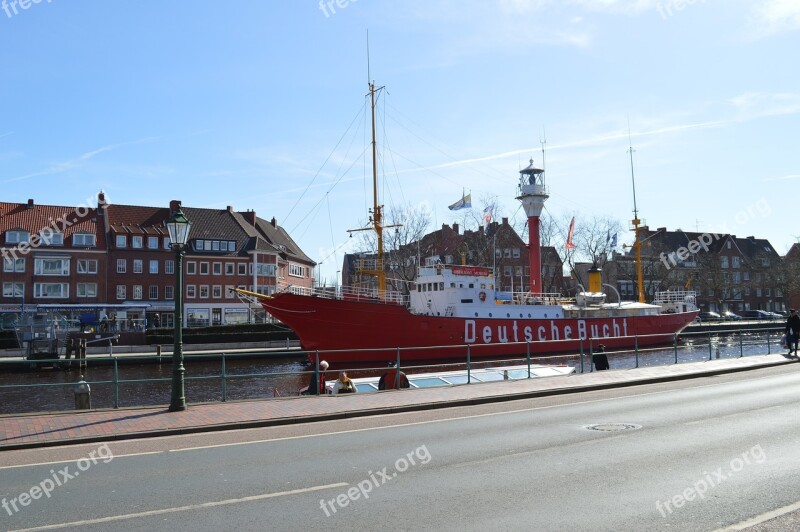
{"x": 191, "y": 267}
{"x": 17, "y": 237}
{"x": 152, "y": 242}
{"x": 13, "y": 289}
{"x": 267, "y": 270}
{"x": 507, "y": 253}
{"x": 295, "y": 270}
{"x": 87, "y": 266}
{"x": 728, "y": 244}
{"x": 44, "y": 266}
{"x": 87, "y": 290}
{"x": 138, "y": 265}
{"x": 122, "y": 291}
{"x": 137, "y": 291}
{"x": 122, "y": 241}
{"x": 153, "y": 292}
{"x": 122, "y": 265}
{"x": 723, "y": 261}
{"x": 203, "y": 268}
{"x": 203, "y": 291}
{"x": 735, "y": 262}
{"x": 169, "y": 292}
{"x": 169, "y": 267}
{"x": 216, "y": 291}
{"x": 515, "y": 253}
{"x": 216, "y": 268}
{"x": 153, "y": 266}
{"x": 767, "y": 292}
{"x": 48, "y": 237}
{"x": 746, "y": 276}
{"x": 214, "y": 245}
{"x": 137, "y": 242}
{"x": 11, "y": 264}
{"x": 242, "y": 268}
{"x": 507, "y": 271}
{"x": 229, "y": 293}
{"x": 229, "y": 269}
{"x": 191, "y": 291}
{"x": 84, "y": 240}
{"x": 50, "y": 290}
{"x": 167, "y": 243}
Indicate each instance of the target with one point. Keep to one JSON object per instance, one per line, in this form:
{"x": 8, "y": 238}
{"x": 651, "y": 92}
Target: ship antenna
{"x": 637, "y": 244}
{"x": 543, "y": 142}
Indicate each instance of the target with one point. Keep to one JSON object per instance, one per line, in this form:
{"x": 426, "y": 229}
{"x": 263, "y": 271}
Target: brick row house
{"x": 117, "y": 259}
{"x": 728, "y": 272}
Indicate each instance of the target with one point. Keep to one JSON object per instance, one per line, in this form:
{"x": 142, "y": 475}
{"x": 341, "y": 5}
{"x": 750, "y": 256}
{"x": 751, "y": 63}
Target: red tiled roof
{"x": 131, "y": 219}
{"x": 66, "y": 220}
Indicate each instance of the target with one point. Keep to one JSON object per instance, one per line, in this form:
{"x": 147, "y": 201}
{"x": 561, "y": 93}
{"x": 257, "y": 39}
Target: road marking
{"x": 757, "y": 520}
{"x": 200, "y": 506}
{"x": 75, "y": 460}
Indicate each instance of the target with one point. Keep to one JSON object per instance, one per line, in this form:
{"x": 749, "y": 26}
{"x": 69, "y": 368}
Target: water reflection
{"x": 245, "y": 377}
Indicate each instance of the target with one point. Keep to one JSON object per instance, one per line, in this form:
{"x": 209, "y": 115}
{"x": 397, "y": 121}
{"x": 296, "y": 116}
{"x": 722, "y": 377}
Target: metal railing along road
{"x": 119, "y": 381}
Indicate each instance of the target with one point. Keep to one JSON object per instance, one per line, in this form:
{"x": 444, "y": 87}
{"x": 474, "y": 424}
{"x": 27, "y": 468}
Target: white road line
{"x": 75, "y": 460}
{"x": 200, "y": 506}
{"x": 761, "y": 518}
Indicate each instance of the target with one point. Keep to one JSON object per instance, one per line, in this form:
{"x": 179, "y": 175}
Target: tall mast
{"x": 637, "y": 244}
{"x": 376, "y": 209}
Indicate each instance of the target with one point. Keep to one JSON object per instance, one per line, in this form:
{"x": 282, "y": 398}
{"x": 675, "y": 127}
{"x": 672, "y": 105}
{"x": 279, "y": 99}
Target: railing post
{"x": 741, "y": 347}
{"x": 710, "y": 354}
{"x": 397, "y": 374}
{"x": 468, "y": 364}
{"x": 675, "y": 346}
{"x": 528, "y": 356}
{"x": 636, "y": 348}
{"x": 116, "y": 383}
{"x": 316, "y": 375}
{"x": 224, "y": 382}
{"x": 581, "y": 355}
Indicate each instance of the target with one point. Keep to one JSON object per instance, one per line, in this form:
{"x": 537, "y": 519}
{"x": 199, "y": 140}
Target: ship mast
{"x": 377, "y": 217}
{"x": 637, "y": 244}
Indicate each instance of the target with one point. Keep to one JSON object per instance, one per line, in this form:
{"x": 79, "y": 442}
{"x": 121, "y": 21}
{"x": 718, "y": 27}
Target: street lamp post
{"x": 178, "y": 227}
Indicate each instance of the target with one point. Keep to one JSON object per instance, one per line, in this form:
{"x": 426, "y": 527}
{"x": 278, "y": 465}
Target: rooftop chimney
{"x": 101, "y": 203}
{"x": 30, "y": 204}
{"x": 274, "y": 222}
{"x": 455, "y": 228}
{"x": 174, "y": 205}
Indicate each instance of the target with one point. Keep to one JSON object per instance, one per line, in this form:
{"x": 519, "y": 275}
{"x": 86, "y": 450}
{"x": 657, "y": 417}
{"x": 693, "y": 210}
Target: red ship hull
{"x": 370, "y": 331}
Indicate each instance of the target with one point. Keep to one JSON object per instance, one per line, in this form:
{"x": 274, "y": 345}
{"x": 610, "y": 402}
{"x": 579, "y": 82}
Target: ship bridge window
{"x": 468, "y": 301}
{"x": 441, "y": 285}
{"x": 471, "y": 285}
{"x": 452, "y": 285}
{"x": 419, "y": 288}
{"x": 483, "y": 286}
{"x": 435, "y": 287}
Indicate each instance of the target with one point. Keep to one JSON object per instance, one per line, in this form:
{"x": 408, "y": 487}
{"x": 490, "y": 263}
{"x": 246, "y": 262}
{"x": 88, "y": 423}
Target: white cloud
{"x": 752, "y": 105}
{"x": 771, "y": 17}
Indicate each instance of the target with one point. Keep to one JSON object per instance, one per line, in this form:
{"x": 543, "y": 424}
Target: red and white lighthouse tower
{"x": 532, "y": 195}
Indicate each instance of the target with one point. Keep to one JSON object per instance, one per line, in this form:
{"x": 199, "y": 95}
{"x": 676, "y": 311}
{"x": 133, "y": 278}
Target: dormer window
{"x": 48, "y": 237}
{"x": 224, "y": 246}
{"x": 17, "y": 237}
{"x": 84, "y": 240}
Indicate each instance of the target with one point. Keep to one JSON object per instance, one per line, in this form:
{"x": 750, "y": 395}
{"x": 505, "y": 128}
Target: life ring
{"x": 482, "y": 295}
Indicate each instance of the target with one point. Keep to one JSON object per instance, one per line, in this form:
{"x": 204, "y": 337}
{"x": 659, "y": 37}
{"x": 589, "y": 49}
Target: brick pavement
{"x": 47, "y": 429}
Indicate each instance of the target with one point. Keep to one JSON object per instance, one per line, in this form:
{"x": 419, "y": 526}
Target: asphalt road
{"x": 701, "y": 454}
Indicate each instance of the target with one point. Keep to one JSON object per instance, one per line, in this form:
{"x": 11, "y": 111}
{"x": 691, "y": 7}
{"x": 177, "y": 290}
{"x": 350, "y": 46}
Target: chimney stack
{"x": 274, "y": 222}
{"x": 30, "y": 204}
{"x": 174, "y": 205}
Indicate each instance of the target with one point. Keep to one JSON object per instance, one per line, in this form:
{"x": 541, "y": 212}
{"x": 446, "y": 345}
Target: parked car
{"x": 730, "y": 316}
{"x": 709, "y": 316}
{"x": 758, "y": 315}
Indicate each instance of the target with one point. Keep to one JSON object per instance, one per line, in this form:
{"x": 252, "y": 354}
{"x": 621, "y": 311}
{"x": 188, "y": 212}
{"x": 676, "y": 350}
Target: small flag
{"x": 569, "y": 244}
{"x": 487, "y": 218}
{"x": 464, "y": 203}
{"x": 614, "y": 241}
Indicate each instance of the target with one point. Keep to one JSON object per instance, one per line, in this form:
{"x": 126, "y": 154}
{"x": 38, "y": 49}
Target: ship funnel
{"x": 595, "y": 279}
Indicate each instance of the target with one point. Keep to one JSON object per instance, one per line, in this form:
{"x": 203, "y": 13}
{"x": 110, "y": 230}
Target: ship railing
{"x": 674, "y": 296}
{"x": 529, "y": 298}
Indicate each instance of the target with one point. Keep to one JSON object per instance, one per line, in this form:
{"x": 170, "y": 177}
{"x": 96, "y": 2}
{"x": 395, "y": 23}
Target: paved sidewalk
{"x": 48, "y": 429}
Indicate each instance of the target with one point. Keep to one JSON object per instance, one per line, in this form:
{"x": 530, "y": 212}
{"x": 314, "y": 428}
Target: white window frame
{"x": 87, "y": 266}
{"x": 122, "y": 265}
{"x": 13, "y": 264}
{"x": 153, "y": 266}
{"x": 40, "y": 262}
{"x": 87, "y": 290}
{"x": 40, "y": 290}
{"x": 229, "y": 268}
{"x": 153, "y": 242}
{"x": 191, "y": 291}
{"x": 241, "y": 268}
{"x": 17, "y": 237}
{"x": 203, "y": 290}
{"x": 169, "y": 292}
{"x": 121, "y": 241}
{"x": 137, "y": 292}
{"x": 152, "y": 292}
{"x": 122, "y": 291}
{"x": 138, "y": 265}
{"x": 137, "y": 242}
{"x": 216, "y": 268}
{"x": 14, "y": 289}
{"x": 169, "y": 267}
{"x": 48, "y": 237}
{"x": 84, "y": 240}
{"x": 216, "y": 291}
{"x": 191, "y": 268}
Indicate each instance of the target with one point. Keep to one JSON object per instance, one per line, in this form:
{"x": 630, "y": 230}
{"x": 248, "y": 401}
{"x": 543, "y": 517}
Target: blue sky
{"x": 242, "y": 103}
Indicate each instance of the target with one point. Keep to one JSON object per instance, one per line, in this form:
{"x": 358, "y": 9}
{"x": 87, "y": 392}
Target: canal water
{"x": 149, "y": 384}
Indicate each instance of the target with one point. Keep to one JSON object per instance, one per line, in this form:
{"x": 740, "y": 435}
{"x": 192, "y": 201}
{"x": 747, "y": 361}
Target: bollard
{"x": 158, "y": 350}
{"x": 83, "y": 395}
